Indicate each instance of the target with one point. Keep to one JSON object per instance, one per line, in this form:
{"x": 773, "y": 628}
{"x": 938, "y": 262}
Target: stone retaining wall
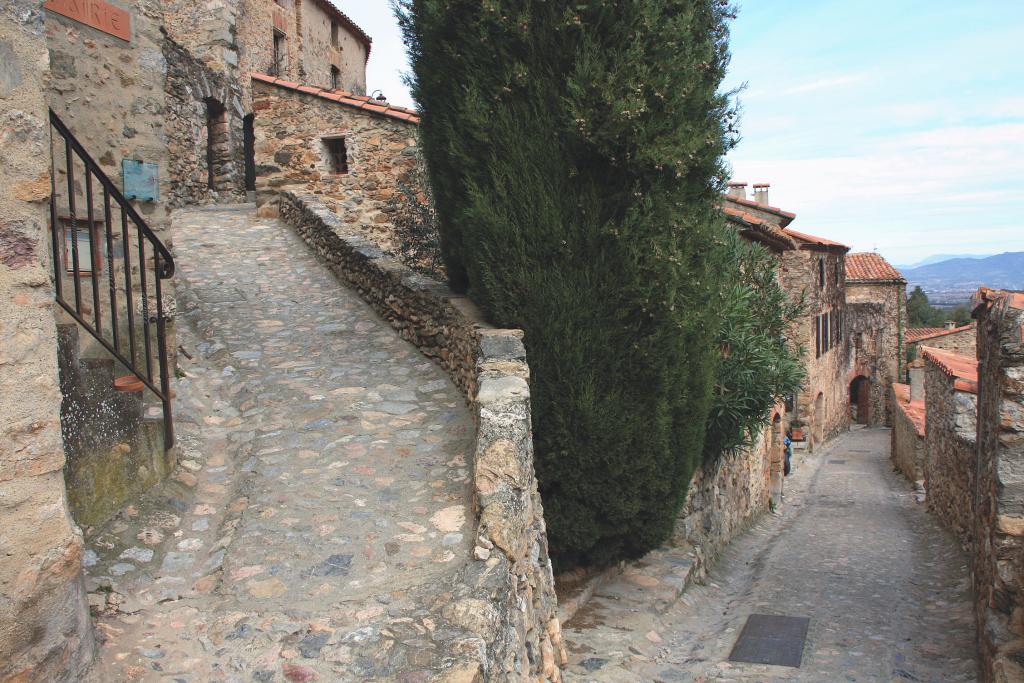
{"x": 506, "y": 596}
{"x": 997, "y": 555}
{"x": 949, "y": 448}
{"x": 907, "y": 440}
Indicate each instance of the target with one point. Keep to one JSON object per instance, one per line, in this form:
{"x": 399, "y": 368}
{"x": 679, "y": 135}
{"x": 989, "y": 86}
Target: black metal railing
{"x": 94, "y": 206}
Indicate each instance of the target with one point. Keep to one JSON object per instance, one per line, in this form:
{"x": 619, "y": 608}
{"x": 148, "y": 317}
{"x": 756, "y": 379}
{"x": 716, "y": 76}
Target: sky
{"x": 891, "y": 126}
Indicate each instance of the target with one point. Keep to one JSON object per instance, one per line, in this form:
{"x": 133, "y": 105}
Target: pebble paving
{"x": 320, "y": 511}
{"x": 885, "y": 587}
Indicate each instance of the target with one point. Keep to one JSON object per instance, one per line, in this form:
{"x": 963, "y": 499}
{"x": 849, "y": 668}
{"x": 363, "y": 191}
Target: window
{"x": 276, "y": 68}
{"x": 337, "y": 155}
{"x": 821, "y": 272}
{"x": 334, "y": 34}
{"x": 817, "y": 336}
{"x": 838, "y": 269}
{"x": 335, "y": 77}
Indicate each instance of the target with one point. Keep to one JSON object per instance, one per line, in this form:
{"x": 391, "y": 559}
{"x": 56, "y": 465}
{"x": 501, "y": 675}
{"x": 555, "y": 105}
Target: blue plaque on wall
{"x": 141, "y": 180}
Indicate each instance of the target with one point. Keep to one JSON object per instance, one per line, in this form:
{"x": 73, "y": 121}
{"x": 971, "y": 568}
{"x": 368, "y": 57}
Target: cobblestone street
{"x": 319, "y": 514}
{"x": 885, "y": 588}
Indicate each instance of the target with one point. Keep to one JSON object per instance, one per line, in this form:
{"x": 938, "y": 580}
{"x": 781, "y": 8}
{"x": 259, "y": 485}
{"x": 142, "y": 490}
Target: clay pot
{"x": 128, "y": 383}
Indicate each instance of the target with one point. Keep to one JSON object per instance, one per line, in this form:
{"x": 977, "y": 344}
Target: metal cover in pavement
{"x": 771, "y": 639}
{"x": 836, "y": 462}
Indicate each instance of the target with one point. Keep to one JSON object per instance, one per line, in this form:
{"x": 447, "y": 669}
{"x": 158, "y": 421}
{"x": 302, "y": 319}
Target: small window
{"x": 335, "y": 77}
{"x": 821, "y": 272}
{"x": 276, "y": 68}
{"x": 817, "y": 336}
{"x": 337, "y": 155}
{"x": 334, "y": 33}
{"x": 838, "y": 269}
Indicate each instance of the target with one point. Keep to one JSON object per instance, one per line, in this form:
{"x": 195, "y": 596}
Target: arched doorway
{"x": 217, "y": 148}
{"x": 860, "y": 399}
{"x": 819, "y": 419}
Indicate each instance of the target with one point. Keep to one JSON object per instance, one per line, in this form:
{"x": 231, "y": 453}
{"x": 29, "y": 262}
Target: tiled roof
{"x": 786, "y": 216}
{"x": 813, "y": 242}
{"x": 758, "y": 229}
{"x": 332, "y": 9}
{"x": 870, "y": 267}
{"x": 916, "y": 411}
{"x": 1014, "y": 299}
{"x": 962, "y": 369}
{"x": 346, "y": 98}
{"x": 918, "y": 334}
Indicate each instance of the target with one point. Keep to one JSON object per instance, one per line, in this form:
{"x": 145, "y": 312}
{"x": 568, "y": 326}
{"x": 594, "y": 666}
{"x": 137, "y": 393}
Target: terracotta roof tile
{"x": 345, "y": 98}
{"x": 916, "y": 411}
{"x": 919, "y": 334}
{"x": 870, "y": 267}
{"x": 962, "y": 369}
{"x": 813, "y": 241}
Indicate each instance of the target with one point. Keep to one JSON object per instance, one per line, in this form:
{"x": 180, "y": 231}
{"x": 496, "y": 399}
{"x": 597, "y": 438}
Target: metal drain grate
{"x": 836, "y": 462}
{"x": 771, "y": 639}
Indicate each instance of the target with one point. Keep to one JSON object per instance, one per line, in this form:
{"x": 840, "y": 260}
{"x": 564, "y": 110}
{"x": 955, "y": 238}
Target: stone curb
{"x": 506, "y": 597}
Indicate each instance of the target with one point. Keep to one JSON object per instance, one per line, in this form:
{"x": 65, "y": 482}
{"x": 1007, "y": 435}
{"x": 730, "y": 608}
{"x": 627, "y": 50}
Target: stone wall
{"x": 190, "y": 86}
{"x": 878, "y": 312}
{"x": 318, "y": 54}
{"x": 998, "y": 523}
{"x": 908, "y": 434}
{"x": 822, "y": 405}
{"x": 949, "y": 447}
{"x": 507, "y": 595}
{"x": 45, "y": 633}
{"x": 255, "y": 29}
{"x": 382, "y": 196}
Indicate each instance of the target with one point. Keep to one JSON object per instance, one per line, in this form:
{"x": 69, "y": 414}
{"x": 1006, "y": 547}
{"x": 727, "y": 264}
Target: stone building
{"x": 877, "y": 309}
{"x": 962, "y": 339}
{"x": 972, "y": 457}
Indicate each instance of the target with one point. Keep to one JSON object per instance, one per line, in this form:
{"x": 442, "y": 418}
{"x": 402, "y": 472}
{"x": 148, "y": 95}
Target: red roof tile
{"x": 916, "y": 411}
{"x": 962, "y": 369}
{"x": 815, "y": 242}
{"x": 918, "y": 334}
{"x": 346, "y": 98}
{"x": 870, "y": 267}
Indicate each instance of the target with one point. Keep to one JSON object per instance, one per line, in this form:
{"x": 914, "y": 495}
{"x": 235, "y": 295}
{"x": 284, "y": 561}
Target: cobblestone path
{"x": 884, "y": 586}
{"x": 320, "y": 512}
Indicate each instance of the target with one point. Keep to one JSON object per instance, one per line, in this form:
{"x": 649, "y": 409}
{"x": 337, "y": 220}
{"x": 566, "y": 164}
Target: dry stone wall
{"x": 908, "y": 437}
{"x": 44, "y": 624}
{"x": 507, "y": 595}
{"x": 950, "y": 448}
{"x": 998, "y": 520}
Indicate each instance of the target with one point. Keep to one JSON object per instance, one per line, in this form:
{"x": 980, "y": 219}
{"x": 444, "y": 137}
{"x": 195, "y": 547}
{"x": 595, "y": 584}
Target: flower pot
{"x": 128, "y": 383}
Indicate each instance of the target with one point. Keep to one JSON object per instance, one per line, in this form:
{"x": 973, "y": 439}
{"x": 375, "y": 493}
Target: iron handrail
{"x": 163, "y": 268}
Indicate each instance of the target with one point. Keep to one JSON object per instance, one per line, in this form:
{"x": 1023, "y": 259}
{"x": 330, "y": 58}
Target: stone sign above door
{"x": 95, "y": 13}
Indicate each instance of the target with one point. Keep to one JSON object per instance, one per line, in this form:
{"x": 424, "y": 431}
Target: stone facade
{"x": 962, "y": 340}
{"x": 329, "y": 39}
{"x": 877, "y": 315}
{"x": 998, "y": 520}
{"x": 44, "y": 625}
{"x": 950, "y": 439}
{"x": 382, "y": 192}
{"x": 507, "y": 597}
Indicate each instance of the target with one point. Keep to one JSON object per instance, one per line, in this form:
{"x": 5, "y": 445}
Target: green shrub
{"x": 575, "y": 152}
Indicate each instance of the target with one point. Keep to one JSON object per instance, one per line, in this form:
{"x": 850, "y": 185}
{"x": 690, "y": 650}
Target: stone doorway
{"x": 249, "y": 147}
{"x": 860, "y": 400}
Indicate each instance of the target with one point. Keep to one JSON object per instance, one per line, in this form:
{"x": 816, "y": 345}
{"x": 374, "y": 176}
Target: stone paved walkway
{"x": 320, "y": 512}
{"x": 885, "y": 587}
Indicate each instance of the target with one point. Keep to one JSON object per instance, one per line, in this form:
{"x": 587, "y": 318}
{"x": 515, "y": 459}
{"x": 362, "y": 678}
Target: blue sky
{"x": 895, "y": 126}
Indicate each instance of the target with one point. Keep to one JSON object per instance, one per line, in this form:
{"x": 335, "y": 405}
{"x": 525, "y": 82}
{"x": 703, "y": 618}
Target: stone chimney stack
{"x": 738, "y": 190}
{"x": 917, "y": 380}
{"x": 761, "y": 193}
{"x": 949, "y": 324}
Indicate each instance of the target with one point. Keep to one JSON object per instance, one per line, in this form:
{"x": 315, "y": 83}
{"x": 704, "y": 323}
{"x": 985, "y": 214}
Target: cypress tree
{"x": 575, "y": 154}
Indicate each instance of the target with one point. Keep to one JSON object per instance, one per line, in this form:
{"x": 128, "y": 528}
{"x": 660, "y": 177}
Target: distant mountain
{"x": 938, "y": 258}
{"x": 954, "y": 281}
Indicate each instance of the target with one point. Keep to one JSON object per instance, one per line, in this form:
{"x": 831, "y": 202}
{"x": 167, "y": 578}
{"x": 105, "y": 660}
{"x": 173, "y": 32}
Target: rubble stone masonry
{"x": 44, "y": 624}
{"x": 507, "y": 596}
{"x": 998, "y": 524}
{"x": 950, "y": 448}
{"x": 877, "y": 315}
{"x": 908, "y": 434}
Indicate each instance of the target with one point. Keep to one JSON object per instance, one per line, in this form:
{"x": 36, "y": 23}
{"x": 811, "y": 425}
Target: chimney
{"x": 738, "y": 190}
{"x": 949, "y": 324}
{"x": 761, "y": 193}
{"x": 917, "y": 381}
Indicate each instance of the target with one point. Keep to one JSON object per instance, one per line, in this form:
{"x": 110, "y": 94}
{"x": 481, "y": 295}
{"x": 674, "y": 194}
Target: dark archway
{"x": 860, "y": 399}
{"x": 249, "y": 146}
